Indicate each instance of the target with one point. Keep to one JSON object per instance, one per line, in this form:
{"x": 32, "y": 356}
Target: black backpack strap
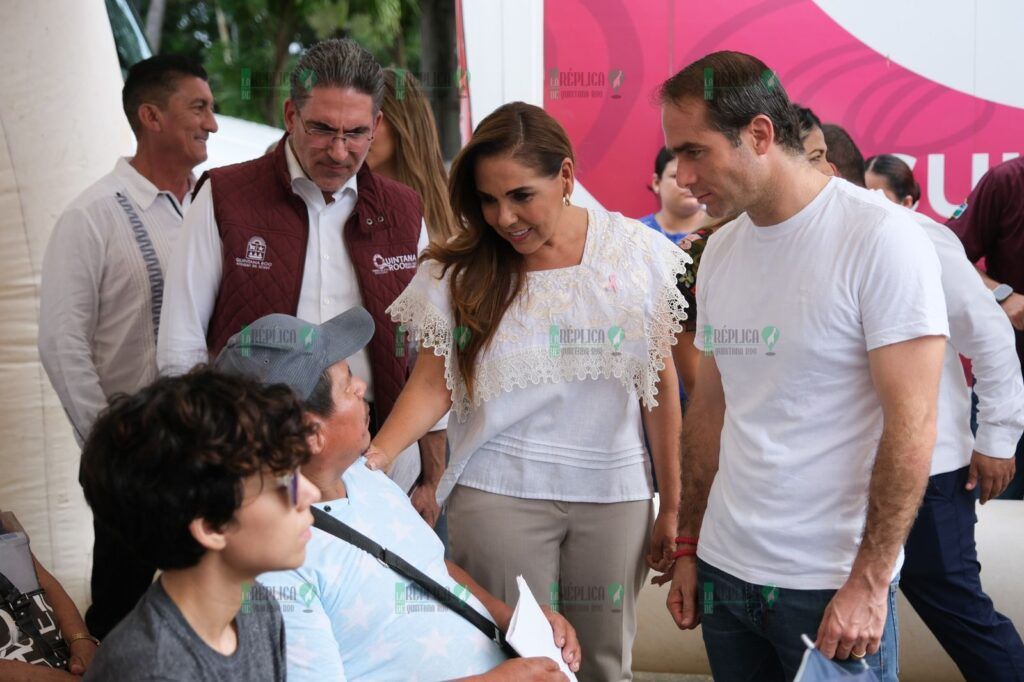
{"x": 20, "y": 605}
{"x": 342, "y": 531}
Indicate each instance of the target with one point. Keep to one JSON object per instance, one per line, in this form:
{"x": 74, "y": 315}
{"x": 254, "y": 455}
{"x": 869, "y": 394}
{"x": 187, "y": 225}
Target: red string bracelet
{"x": 686, "y": 551}
{"x": 686, "y": 540}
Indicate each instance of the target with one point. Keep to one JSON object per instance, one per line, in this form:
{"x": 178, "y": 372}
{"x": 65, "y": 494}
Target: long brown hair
{"x": 417, "y": 158}
{"x": 487, "y": 272}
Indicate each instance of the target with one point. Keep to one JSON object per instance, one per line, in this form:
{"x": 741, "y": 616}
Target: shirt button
{"x": 327, "y": 300}
{"x": 326, "y": 257}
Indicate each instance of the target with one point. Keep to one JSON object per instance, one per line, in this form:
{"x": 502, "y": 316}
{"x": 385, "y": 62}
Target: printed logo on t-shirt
{"x": 959, "y": 211}
{"x": 255, "y": 255}
{"x": 720, "y": 341}
{"x": 383, "y": 265}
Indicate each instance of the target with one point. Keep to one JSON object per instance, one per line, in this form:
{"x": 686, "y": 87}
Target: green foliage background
{"x": 266, "y": 37}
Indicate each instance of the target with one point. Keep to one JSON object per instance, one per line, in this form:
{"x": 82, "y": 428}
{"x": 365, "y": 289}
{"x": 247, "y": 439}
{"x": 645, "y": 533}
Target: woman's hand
{"x": 565, "y": 638}
{"x": 377, "y": 459}
{"x": 663, "y": 541}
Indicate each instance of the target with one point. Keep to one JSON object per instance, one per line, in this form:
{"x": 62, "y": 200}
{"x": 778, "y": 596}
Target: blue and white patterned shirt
{"x": 349, "y": 617}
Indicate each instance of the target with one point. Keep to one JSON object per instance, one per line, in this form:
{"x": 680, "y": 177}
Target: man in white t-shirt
{"x": 807, "y": 445}
{"x": 347, "y": 615}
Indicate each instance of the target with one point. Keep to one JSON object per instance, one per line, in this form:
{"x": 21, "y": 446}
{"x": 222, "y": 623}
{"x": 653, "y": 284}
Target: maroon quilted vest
{"x": 263, "y": 228}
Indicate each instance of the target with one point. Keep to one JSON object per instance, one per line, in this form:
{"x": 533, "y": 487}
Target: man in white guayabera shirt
{"x": 807, "y": 445}
{"x": 103, "y": 280}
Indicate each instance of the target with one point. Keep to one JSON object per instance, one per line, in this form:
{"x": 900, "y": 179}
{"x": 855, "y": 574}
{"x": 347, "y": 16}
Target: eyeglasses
{"x": 324, "y": 138}
{"x": 290, "y": 482}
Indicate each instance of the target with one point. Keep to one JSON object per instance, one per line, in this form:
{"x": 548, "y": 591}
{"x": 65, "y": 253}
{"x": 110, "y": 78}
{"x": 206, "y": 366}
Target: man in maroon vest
{"x": 309, "y": 231}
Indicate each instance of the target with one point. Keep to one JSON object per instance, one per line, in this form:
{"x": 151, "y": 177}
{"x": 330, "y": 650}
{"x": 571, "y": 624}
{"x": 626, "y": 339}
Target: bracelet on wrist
{"x": 686, "y": 540}
{"x": 685, "y": 551}
{"x": 81, "y": 635}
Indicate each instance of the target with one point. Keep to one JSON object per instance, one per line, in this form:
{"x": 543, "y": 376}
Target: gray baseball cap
{"x": 281, "y": 349}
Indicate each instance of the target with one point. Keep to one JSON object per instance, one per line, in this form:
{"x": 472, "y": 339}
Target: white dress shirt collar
{"x": 142, "y": 191}
{"x": 304, "y": 186}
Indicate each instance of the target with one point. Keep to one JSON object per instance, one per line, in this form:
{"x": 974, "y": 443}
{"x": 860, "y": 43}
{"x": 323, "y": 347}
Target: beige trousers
{"x": 585, "y": 560}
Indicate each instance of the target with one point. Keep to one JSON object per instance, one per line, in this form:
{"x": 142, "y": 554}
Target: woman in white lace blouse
{"x": 551, "y": 328}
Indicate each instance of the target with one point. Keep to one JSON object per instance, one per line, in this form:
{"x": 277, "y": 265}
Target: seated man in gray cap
{"x": 348, "y": 615}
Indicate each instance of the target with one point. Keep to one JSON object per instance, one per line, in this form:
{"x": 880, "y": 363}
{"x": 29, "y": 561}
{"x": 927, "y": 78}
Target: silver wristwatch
{"x": 1002, "y": 292}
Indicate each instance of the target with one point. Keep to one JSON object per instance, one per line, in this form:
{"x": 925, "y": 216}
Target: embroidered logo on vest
{"x": 382, "y": 265}
{"x": 255, "y": 255}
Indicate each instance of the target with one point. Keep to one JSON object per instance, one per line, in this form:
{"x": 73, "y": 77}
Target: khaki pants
{"x": 585, "y": 559}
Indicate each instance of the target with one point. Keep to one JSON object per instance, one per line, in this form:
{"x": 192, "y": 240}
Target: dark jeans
{"x": 1014, "y": 491}
{"x": 119, "y": 579}
{"x": 941, "y": 579}
{"x": 752, "y": 632}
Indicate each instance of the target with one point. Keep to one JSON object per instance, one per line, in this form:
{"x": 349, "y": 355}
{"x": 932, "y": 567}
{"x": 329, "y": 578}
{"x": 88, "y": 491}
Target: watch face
{"x": 1002, "y": 292}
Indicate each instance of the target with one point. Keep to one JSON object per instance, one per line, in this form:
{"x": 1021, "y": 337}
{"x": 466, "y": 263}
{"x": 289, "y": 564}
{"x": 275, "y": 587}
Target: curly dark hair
{"x": 179, "y": 450}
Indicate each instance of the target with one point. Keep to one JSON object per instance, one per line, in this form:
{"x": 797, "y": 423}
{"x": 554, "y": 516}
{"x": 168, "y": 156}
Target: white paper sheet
{"x": 530, "y": 633}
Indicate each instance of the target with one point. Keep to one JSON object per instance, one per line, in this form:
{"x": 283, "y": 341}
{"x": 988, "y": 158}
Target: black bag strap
{"x": 20, "y": 604}
{"x": 342, "y": 531}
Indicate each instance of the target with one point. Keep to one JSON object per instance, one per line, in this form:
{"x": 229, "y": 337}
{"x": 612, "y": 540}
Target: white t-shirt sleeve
{"x": 190, "y": 289}
{"x": 900, "y": 288}
{"x": 707, "y": 266}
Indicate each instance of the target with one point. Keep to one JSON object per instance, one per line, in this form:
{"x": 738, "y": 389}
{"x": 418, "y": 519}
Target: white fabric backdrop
{"x": 61, "y": 128}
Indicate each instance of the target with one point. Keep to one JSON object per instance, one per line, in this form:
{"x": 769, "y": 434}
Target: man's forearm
{"x": 432, "y": 449}
{"x": 897, "y": 485}
{"x": 702, "y": 432}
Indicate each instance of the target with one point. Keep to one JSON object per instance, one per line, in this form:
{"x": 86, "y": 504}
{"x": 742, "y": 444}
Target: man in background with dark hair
{"x": 843, "y": 154}
{"x": 102, "y": 280}
{"x": 201, "y": 475}
{"x": 813, "y": 140}
{"x": 807, "y": 442}
{"x": 309, "y": 230}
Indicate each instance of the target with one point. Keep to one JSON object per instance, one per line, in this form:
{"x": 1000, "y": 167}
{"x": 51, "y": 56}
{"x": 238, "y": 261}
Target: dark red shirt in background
{"x": 991, "y": 226}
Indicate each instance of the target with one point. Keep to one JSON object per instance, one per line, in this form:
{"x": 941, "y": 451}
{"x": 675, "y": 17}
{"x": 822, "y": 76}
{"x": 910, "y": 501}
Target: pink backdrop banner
{"x": 604, "y": 60}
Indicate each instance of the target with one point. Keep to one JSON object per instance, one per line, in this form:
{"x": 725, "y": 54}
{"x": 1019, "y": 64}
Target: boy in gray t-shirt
{"x": 199, "y": 474}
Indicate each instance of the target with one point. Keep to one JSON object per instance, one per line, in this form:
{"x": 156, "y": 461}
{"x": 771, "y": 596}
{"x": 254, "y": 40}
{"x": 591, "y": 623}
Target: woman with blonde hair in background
{"x": 549, "y": 328}
{"x": 406, "y": 148}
